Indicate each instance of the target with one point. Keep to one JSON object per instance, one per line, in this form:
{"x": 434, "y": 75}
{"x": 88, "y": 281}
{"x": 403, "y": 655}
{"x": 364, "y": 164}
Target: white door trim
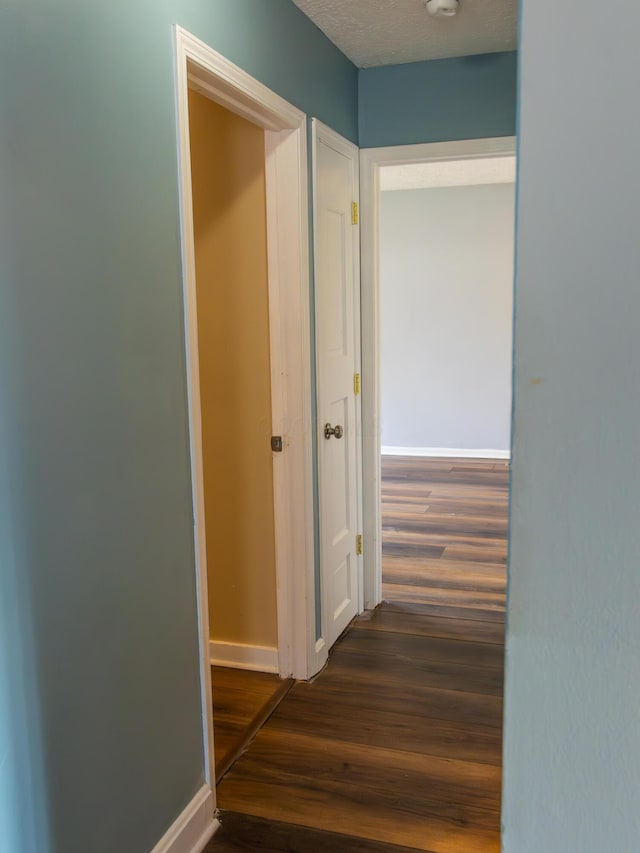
{"x": 193, "y": 828}
{"x": 322, "y": 132}
{"x": 371, "y": 160}
{"x": 201, "y": 68}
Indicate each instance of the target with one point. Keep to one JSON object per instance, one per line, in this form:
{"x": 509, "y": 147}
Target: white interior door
{"x": 337, "y": 285}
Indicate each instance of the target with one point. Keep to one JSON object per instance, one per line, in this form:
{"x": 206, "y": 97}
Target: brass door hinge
{"x": 354, "y": 212}
{"x": 359, "y": 544}
{"x": 356, "y": 383}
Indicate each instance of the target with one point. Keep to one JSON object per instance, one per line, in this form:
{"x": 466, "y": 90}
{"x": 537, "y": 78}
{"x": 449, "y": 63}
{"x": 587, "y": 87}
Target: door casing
{"x": 208, "y": 72}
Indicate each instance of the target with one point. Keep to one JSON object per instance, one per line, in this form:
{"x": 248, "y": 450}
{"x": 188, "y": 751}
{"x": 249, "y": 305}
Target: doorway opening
{"x": 244, "y": 217}
{"x": 442, "y": 163}
{"x": 228, "y": 178}
{"x": 446, "y": 310}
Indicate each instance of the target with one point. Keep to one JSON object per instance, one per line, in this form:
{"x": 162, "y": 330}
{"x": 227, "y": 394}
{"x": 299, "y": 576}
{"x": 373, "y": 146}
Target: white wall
{"x": 447, "y": 304}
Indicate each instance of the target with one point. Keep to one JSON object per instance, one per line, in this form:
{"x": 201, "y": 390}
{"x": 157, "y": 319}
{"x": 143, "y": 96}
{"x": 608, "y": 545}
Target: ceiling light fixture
{"x": 442, "y": 8}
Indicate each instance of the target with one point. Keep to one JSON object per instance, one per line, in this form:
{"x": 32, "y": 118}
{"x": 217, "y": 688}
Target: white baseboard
{"x": 241, "y": 656}
{"x": 446, "y": 452}
{"x": 192, "y": 830}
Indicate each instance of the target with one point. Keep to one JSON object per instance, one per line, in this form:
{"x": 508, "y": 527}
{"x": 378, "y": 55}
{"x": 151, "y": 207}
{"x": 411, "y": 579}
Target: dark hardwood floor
{"x": 396, "y": 745}
{"x": 242, "y": 702}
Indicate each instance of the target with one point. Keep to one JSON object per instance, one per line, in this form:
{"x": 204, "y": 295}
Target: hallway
{"x": 397, "y": 744}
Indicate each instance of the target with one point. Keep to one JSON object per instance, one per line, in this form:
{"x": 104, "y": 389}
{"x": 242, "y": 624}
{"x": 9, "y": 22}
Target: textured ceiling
{"x": 449, "y": 173}
{"x": 387, "y": 32}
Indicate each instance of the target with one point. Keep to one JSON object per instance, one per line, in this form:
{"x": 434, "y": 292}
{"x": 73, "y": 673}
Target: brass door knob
{"x": 336, "y": 430}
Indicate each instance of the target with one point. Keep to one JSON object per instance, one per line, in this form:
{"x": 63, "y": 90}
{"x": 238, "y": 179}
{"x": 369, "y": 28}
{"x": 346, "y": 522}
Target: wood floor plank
{"x": 406, "y": 507}
{"x": 242, "y": 701}
{"x": 445, "y": 611}
{"x": 463, "y": 599}
{"x": 423, "y": 783}
{"x": 416, "y": 700}
{"x": 441, "y": 577}
{"x": 242, "y": 832}
{"x": 470, "y": 505}
{"x": 349, "y": 810}
{"x": 224, "y": 677}
{"x": 418, "y": 563}
{"x": 408, "y": 549}
{"x": 486, "y": 526}
{"x": 420, "y": 648}
{"x": 366, "y": 668}
{"x": 229, "y": 738}
{"x": 393, "y": 617}
{"x": 477, "y": 547}
{"x": 233, "y": 704}
{"x": 404, "y": 489}
{"x": 376, "y": 727}
{"x": 432, "y": 477}
{"x": 474, "y": 545}
{"x": 471, "y": 552}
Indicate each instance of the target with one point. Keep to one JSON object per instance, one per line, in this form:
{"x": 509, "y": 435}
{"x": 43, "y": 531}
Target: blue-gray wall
{"x": 467, "y": 97}
{"x": 100, "y": 731}
{"x": 23, "y": 824}
{"x": 572, "y": 741}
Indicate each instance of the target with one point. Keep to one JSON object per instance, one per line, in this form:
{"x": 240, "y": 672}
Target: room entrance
{"x": 446, "y": 246}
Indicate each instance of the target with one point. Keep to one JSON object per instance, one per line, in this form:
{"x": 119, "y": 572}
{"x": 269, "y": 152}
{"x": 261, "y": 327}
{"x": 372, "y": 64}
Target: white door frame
{"x": 322, "y": 132}
{"x": 203, "y": 69}
{"x": 371, "y": 160}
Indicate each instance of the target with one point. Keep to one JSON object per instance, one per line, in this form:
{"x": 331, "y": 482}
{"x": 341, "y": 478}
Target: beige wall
{"x": 227, "y": 162}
